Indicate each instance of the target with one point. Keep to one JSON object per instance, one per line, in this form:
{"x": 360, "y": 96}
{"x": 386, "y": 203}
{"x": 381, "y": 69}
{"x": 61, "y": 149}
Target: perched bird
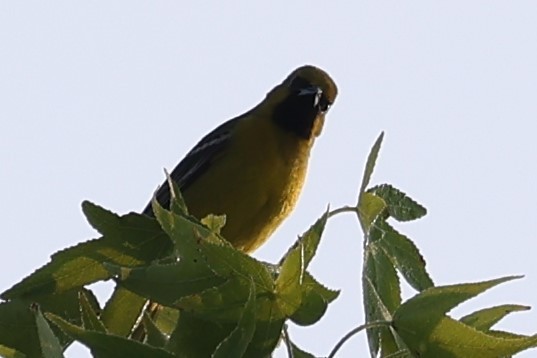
{"x": 252, "y": 168}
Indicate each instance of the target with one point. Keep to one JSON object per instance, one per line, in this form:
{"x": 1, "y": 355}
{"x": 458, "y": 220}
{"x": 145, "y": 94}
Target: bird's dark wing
{"x": 196, "y": 162}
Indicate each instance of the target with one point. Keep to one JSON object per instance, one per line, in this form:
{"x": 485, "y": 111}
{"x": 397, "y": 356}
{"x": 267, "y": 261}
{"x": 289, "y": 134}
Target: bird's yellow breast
{"x": 257, "y": 189}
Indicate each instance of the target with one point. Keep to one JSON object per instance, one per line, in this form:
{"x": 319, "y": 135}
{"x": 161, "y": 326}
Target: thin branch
{"x": 343, "y": 209}
{"x": 287, "y": 342}
{"x": 355, "y": 331}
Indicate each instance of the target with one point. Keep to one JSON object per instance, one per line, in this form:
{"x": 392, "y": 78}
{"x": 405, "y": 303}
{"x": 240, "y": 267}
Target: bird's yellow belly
{"x": 255, "y": 192}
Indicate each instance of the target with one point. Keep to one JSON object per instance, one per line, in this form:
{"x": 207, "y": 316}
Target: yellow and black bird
{"x": 251, "y": 168}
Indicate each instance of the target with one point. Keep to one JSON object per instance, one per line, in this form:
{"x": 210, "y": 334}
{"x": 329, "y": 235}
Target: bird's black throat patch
{"x": 297, "y": 114}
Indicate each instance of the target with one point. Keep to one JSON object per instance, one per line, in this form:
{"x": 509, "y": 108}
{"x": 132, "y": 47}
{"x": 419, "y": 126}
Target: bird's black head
{"x": 302, "y": 100}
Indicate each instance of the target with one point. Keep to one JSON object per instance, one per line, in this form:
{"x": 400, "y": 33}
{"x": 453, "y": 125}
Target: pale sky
{"x": 96, "y": 98}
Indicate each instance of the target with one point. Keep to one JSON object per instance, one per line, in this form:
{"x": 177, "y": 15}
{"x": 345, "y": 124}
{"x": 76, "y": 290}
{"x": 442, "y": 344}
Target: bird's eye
{"x": 324, "y": 105}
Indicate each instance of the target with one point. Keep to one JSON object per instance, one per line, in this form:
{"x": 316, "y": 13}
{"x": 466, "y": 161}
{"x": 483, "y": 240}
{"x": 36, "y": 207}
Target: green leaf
{"x": 307, "y": 244}
{"x": 185, "y": 340}
{"x": 370, "y": 164}
{"x": 299, "y": 353}
{"x": 166, "y": 283}
{"x": 177, "y": 203}
{"x": 426, "y": 329}
{"x": 122, "y": 311}
{"x": 382, "y": 296}
{"x": 196, "y": 243}
{"x": 437, "y": 301}
{"x": 166, "y": 319}
{"x": 222, "y": 304}
{"x": 371, "y": 208}
{"x": 237, "y": 342}
{"x": 50, "y": 345}
{"x": 8, "y": 352}
{"x": 23, "y": 330}
{"x": 399, "y": 205}
{"x": 106, "y": 345}
{"x": 315, "y": 300}
{"x": 154, "y": 336}
{"x": 215, "y": 223}
{"x": 484, "y": 319}
{"x": 90, "y": 318}
{"x": 403, "y": 254}
{"x": 130, "y": 240}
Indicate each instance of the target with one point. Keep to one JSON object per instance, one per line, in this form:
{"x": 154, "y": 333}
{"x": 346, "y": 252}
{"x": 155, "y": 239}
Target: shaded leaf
{"x": 382, "y": 296}
{"x": 315, "y": 300}
{"x": 107, "y": 345}
{"x": 154, "y": 337}
{"x": 122, "y": 311}
{"x": 185, "y": 340}
{"x": 403, "y": 254}
{"x": 166, "y": 283}
{"x": 90, "y": 319}
{"x": 8, "y": 352}
{"x": 237, "y": 342}
{"x": 50, "y": 345}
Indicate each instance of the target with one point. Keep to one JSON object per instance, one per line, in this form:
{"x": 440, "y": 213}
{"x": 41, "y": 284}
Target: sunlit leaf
{"x": 399, "y": 205}
{"x": 426, "y": 329}
{"x": 484, "y": 319}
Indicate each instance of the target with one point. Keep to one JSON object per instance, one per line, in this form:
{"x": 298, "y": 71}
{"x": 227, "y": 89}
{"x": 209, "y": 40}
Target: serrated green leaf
{"x": 382, "y": 296}
{"x": 403, "y": 254}
{"x": 237, "y": 342}
{"x": 154, "y": 337}
{"x": 50, "y": 345}
{"x": 107, "y": 345}
{"x": 425, "y": 328}
{"x": 315, "y": 300}
{"x": 266, "y": 338}
{"x": 484, "y": 319}
{"x": 186, "y": 233}
{"x": 166, "y": 319}
{"x": 222, "y": 304}
{"x": 130, "y": 240}
{"x": 437, "y": 301}
{"x": 307, "y": 243}
{"x": 18, "y": 329}
{"x": 299, "y": 353}
{"x": 195, "y": 243}
{"x": 90, "y": 319}
{"x": 371, "y": 208}
{"x": 445, "y": 337}
{"x": 370, "y": 164}
{"x": 185, "y": 340}
{"x": 166, "y": 283}
{"x": 215, "y": 223}
{"x": 122, "y": 311}
{"x": 399, "y": 205}
{"x": 177, "y": 203}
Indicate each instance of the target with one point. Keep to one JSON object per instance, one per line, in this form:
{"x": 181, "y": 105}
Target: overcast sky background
{"x": 96, "y": 98}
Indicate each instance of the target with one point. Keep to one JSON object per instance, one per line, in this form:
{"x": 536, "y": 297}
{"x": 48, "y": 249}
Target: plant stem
{"x": 355, "y": 331}
{"x": 343, "y": 209}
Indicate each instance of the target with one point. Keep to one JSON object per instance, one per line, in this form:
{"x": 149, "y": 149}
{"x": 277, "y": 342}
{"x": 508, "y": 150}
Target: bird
{"x": 252, "y": 168}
